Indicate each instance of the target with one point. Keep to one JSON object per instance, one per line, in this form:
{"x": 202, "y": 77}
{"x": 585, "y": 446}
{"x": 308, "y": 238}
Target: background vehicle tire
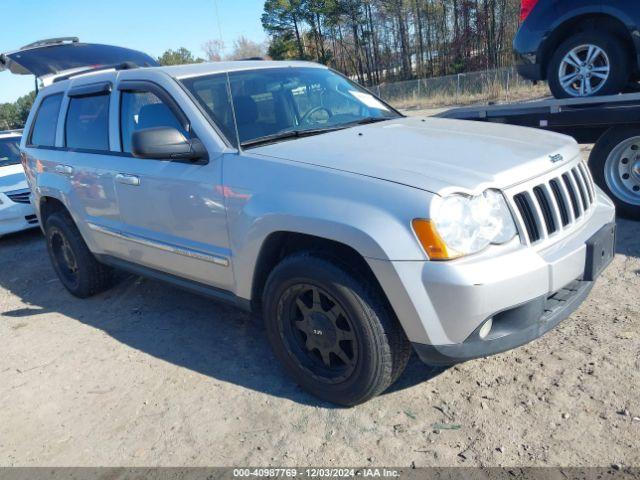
{"x": 76, "y": 266}
{"x": 331, "y": 331}
{"x": 615, "y": 166}
{"x": 588, "y": 64}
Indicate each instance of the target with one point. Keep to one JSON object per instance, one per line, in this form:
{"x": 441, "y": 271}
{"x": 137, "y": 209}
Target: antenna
{"x": 215, "y": 6}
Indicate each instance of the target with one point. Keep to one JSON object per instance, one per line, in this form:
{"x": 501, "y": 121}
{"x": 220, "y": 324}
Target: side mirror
{"x": 166, "y": 143}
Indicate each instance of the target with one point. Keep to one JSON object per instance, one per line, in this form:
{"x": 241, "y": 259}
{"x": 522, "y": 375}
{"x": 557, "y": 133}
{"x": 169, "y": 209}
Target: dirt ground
{"x": 148, "y": 375}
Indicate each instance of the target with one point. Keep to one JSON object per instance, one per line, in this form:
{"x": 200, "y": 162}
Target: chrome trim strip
{"x": 224, "y": 262}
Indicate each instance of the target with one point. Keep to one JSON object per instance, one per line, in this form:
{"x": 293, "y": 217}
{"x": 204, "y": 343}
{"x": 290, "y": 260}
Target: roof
{"x": 10, "y": 133}
{"x": 209, "y": 68}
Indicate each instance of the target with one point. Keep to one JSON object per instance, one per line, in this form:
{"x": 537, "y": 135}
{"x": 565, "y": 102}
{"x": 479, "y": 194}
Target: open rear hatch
{"x": 57, "y": 55}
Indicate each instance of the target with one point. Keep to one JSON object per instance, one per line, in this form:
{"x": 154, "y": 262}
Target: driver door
{"x": 173, "y": 214}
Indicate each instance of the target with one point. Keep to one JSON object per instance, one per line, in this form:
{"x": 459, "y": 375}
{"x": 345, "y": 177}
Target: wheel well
{"x": 599, "y": 22}
{"x": 279, "y": 245}
{"x": 48, "y": 206}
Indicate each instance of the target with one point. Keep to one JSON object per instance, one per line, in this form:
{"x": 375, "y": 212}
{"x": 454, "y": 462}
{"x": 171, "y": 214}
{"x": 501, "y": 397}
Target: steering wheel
{"x": 305, "y": 118}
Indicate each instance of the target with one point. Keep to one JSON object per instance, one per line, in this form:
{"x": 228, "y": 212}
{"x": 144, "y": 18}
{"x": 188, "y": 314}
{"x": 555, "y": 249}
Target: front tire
{"x": 331, "y": 331}
{"x": 77, "y": 268}
{"x": 615, "y": 165}
{"x": 588, "y": 64}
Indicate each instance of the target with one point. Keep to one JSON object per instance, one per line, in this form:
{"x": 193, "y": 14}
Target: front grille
{"x": 19, "y": 196}
{"x": 555, "y": 205}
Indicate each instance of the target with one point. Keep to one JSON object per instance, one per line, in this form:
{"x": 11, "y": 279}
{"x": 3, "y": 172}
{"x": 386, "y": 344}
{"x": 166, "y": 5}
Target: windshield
{"x": 9, "y": 151}
{"x": 275, "y": 104}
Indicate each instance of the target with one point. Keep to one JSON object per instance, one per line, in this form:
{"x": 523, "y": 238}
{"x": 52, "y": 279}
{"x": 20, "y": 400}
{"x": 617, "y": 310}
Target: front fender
{"x": 369, "y": 215}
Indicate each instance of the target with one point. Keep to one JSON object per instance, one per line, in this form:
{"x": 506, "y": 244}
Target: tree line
{"x": 389, "y": 40}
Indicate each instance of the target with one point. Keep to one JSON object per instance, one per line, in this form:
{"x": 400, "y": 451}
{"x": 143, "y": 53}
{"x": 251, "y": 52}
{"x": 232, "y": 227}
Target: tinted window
{"x": 9, "y": 151}
{"x": 277, "y": 101}
{"x": 213, "y": 94}
{"x": 46, "y": 123}
{"x": 140, "y": 110}
{"x": 88, "y": 123}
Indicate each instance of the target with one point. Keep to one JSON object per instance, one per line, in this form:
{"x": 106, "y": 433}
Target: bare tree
{"x": 213, "y": 50}
{"x": 245, "y": 48}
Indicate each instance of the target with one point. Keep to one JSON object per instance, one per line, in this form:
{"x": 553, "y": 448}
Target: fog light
{"x": 486, "y": 329}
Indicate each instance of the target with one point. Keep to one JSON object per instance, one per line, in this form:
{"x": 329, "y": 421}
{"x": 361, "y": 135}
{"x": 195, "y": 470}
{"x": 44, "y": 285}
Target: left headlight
{"x": 462, "y": 225}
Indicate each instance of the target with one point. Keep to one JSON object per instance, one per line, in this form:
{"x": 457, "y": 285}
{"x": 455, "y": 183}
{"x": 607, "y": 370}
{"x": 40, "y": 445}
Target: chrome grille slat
{"x": 567, "y": 200}
{"x": 19, "y": 196}
{"x": 554, "y": 204}
{"x": 587, "y": 182}
{"x": 555, "y": 208}
{"x": 581, "y": 189}
{"x": 573, "y": 194}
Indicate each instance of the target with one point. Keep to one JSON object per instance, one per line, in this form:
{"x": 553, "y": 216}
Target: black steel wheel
{"x": 77, "y": 268}
{"x": 316, "y": 329}
{"x": 63, "y": 258}
{"x": 332, "y": 330}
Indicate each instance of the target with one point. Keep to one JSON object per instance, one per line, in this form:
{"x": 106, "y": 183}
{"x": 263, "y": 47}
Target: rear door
{"x": 173, "y": 212}
{"x": 68, "y": 147}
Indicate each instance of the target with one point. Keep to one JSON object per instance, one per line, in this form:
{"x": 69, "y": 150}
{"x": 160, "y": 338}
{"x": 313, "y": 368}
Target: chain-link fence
{"x": 503, "y": 85}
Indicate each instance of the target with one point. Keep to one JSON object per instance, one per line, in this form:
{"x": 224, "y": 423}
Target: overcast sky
{"x": 152, "y": 26}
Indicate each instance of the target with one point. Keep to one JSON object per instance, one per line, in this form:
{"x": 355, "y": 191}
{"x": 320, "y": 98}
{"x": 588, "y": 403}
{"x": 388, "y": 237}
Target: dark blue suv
{"x": 581, "y": 47}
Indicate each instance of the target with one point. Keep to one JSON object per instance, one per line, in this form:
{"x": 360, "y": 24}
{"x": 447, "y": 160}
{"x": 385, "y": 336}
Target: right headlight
{"x": 462, "y": 225}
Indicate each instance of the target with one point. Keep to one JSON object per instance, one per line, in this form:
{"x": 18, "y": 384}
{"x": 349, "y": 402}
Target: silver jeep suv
{"x": 287, "y": 189}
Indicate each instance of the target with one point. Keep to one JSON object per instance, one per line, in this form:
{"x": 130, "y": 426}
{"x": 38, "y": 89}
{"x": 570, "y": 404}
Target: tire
{"x": 607, "y": 167}
{"x": 77, "y": 268}
{"x": 614, "y": 53}
{"x": 373, "y": 351}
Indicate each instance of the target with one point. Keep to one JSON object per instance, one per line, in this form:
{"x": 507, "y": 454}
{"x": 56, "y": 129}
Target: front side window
{"x": 46, "y": 122}
{"x": 9, "y": 151}
{"x": 87, "y": 126}
{"x": 273, "y": 104}
{"x": 140, "y": 110}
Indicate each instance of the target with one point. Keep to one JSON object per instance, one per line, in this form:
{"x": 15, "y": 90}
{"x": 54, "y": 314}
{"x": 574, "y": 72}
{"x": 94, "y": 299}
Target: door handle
{"x": 64, "y": 170}
{"x": 128, "y": 179}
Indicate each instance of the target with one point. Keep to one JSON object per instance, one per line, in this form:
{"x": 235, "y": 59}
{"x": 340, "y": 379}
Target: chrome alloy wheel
{"x": 584, "y": 70}
{"x": 622, "y": 171}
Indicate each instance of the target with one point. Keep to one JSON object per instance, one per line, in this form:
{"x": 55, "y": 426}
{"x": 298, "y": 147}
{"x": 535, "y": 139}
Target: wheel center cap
{"x": 636, "y": 168}
{"x": 323, "y": 330}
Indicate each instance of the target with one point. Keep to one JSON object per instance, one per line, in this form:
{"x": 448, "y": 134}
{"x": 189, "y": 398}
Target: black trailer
{"x": 612, "y": 123}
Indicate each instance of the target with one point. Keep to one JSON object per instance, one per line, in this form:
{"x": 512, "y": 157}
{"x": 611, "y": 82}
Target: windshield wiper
{"x": 368, "y": 120}
{"x": 288, "y": 135}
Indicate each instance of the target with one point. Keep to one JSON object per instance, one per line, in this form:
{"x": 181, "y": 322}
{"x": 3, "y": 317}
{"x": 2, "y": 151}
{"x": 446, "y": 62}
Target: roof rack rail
{"x": 98, "y": 68}
{"x": 251, "y": 59}
{"x": 50, "y": 41}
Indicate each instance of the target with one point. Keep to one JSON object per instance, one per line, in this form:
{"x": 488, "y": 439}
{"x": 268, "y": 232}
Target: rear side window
{"x": 87, "y": 125}
{"x": 46, "y": 122}
{"x": 140, "y": 110}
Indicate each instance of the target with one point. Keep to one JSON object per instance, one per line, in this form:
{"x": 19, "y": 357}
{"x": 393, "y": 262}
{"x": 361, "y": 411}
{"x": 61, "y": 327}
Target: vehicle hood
{"x": 12, "y": 177}
{"x": 434, "y": 154}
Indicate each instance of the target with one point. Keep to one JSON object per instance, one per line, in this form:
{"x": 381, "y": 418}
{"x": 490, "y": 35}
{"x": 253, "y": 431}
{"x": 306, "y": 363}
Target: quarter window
{"x": 140, "y": 110}
{"x": 87, "y": 125}
{"x": 46, "y": 122}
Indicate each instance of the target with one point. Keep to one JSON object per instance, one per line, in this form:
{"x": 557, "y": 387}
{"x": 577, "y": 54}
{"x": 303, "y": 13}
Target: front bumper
{"x": 15, "y": 217}
{"x": 512, "y": 328}
{"x": 443, "y": 305}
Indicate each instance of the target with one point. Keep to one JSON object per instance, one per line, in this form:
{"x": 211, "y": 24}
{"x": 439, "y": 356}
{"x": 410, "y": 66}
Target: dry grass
{"x": 495, "y": 93}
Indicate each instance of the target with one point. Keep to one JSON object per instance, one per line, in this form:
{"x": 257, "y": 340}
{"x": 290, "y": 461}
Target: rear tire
{"x": 615, "y": 165}
{"x": 77, "y": 268}
{"x": 614, "y": 56}
{"x": 331, "y": 331}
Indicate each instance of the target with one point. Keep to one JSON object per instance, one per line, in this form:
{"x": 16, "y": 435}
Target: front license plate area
{"x": 600, "y": 251}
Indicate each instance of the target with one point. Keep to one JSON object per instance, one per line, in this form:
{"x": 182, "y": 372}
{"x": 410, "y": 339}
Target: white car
{"x": 16, "y": 211}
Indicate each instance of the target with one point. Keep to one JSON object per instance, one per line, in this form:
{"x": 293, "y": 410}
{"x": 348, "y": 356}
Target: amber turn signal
{"x": 431, "y": 241}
